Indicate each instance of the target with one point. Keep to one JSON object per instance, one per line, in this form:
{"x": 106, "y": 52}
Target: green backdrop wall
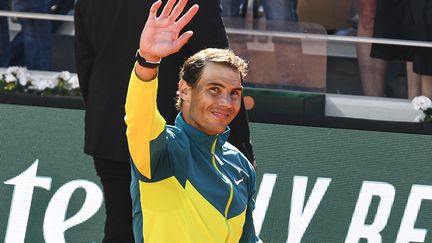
{"x": 315, "y": 184}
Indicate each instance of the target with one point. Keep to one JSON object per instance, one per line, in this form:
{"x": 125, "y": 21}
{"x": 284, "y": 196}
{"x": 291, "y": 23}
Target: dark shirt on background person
{"x": 106, "y": 40}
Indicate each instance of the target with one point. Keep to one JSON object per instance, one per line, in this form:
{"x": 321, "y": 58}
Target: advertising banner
{"x": 314, "y": 184}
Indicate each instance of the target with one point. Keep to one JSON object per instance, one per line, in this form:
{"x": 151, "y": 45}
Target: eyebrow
{"x": 211, "y": 83}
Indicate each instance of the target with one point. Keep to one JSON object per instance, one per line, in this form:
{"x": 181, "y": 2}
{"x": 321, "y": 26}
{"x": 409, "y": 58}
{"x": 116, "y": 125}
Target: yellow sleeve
{"x": 143, "y": 120}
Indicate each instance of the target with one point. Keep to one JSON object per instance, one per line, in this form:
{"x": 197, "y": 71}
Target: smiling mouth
{"x": 220, "y": 115}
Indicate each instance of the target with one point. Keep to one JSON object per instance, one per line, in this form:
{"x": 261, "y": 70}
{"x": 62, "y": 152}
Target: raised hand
{"x": 160, "y": 36}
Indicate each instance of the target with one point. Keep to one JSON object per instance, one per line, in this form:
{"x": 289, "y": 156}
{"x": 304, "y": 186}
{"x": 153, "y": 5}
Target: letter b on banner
{"x": 372, "y": 232}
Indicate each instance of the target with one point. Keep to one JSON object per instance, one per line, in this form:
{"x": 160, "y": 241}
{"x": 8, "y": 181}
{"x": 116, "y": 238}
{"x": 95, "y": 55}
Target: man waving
{"x": 188, "y": 183}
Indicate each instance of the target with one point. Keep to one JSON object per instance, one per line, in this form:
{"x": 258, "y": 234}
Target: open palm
{"x": 160, "y": 36}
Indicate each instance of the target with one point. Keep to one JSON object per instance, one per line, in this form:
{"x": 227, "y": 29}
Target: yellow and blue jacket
{"x": 186, "y": 186}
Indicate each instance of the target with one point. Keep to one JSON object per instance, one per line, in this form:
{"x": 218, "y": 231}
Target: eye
{"x": 235, "y": 93}
{"x": 214, "y": 90}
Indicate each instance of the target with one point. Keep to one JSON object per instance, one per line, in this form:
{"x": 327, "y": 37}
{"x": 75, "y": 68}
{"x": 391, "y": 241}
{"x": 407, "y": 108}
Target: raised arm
{"x": 159, "y": 38}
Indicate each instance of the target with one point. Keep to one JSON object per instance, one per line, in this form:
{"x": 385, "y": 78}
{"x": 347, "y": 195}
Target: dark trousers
{"x": 115, "y": 177}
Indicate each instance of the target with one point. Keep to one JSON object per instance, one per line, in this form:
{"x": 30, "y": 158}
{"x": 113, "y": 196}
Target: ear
{"x": 185, "y": 90}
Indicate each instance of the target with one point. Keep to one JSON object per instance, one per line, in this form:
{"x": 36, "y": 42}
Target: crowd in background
{"x": 33, "y": 45}
{"x": 406, "y": 20}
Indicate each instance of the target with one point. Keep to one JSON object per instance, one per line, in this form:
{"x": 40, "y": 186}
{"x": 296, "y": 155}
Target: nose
{"x": 225, "y": 100}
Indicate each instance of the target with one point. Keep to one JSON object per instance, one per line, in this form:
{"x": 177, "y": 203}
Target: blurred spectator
{"x": 406, "y": 20}
{"x": 36, "y": 35}
{"x": 395, "y": 19}
{"x": 64, "y": 7}
{"x": 17, "y": 46}
{"x": 372, "y": 70}
{"x": 106, "y": 39}
{"x": 273, "y": 9}
{"x": 4, "y": 36}
{"x": 232, "y": 8}
{"x": 286, "y": 66}
{"x": 280, "y": 9}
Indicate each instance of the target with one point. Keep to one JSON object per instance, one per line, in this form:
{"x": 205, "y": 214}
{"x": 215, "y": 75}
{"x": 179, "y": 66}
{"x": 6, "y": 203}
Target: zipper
{"x": 213, "y": 151}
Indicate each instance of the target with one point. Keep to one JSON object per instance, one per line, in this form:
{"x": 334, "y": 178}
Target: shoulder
{"x": 176, "y": 137}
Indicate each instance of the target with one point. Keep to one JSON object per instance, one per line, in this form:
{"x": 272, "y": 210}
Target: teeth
{"x": 220, "y": 114}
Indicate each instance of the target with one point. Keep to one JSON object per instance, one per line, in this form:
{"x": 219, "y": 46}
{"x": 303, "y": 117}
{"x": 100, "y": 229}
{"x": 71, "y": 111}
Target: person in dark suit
{"x": 106, "y": 40}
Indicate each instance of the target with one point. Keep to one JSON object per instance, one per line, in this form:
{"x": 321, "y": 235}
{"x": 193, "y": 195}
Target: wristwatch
{"x": 144, "y": 63}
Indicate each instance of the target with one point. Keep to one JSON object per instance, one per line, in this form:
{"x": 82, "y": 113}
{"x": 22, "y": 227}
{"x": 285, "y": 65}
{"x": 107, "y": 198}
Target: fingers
{"x": 153, "y": 9}
{"x": 178, "y": 9}
{"x": 167, "y": 9}
{"x": 182, "y": 40}
{"x": 186, "y": 18}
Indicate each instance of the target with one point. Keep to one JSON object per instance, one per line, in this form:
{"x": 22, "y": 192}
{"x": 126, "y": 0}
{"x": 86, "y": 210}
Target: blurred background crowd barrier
{"x": 317, "y": 53}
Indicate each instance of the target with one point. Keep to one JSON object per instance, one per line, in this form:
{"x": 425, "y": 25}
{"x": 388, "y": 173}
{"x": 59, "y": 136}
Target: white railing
{"x": 58, "y": 17}
{"x": 335, "y": 38}
{"x": 302, "y": 36}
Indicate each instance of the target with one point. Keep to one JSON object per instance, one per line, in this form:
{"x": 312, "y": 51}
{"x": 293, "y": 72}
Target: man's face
{"x": 215, "y": 100}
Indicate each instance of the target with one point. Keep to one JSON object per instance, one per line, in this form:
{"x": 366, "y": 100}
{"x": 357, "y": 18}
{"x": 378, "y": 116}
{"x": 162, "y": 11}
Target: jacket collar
{"x": 202, "y": 139}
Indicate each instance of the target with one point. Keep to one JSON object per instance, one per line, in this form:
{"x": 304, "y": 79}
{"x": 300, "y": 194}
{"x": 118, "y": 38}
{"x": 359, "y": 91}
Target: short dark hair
{"x": 193, "y": 67}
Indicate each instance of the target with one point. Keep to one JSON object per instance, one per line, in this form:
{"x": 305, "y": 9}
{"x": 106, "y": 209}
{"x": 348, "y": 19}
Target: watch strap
{"x": 144, "y": 63}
